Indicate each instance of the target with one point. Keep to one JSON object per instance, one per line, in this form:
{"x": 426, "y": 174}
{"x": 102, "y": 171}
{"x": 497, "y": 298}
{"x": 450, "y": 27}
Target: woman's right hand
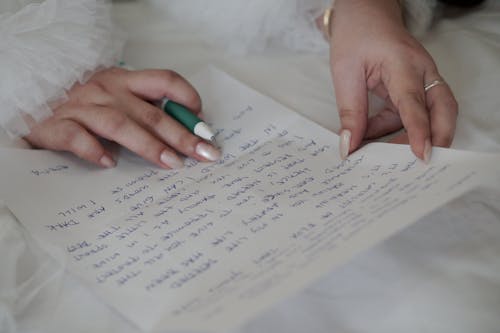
{"x": 371, "y": 51}
{"x": 115, "y": 105}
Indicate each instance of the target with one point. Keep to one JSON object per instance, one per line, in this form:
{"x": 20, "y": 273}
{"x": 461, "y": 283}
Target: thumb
{"x": 352, "y": 101}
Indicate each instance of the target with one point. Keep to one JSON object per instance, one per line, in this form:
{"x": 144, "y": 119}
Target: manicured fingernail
{"x": 171, "y": 160}
{"x": 208, "y": 151}
{"x": 345, "y": 143}
{"x": 427, "y": 151}
{"x": 107, "y": 161}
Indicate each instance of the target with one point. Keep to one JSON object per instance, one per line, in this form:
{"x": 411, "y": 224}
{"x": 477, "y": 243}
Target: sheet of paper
{"x": 208, "y": 247}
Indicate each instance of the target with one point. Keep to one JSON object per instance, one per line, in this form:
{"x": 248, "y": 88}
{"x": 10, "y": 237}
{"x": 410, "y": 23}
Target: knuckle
{"x": 185, "y": 138}
{"x": 347, "y": 113}
{"x": 88, "y": 150}
{"x": 193, "y": 100}
{"x": 411, "y": 52}
{"x": 409, "y": 97}
{"x": 352, "y": 119}
{"x": 152, "y": 116}
{"x": 115, "y": 122}
{"x": 109, "y": 73}
{"x": 186, "y": 141}
{"x": 117, "y": 71}
{"x": 411, "y": 48}
{"x": 151, "y": 149}
{"x": 447, "y": 107}
{"x": 421, "y": 58}
{"x": 94, "y": 87}
{"x": 69, "y": 137}
{"x": 93, "y": 92}
{"x": 100, "y": 95}
{"x": 430, "y": 66}
{"x": 170, "y": 76}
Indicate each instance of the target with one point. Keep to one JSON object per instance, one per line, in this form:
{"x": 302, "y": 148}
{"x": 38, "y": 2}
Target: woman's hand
{"x": 371, "y": 50}
{"x": 114, "y": 105}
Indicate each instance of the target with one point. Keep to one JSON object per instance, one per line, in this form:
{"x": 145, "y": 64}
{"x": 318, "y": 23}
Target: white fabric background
{"x": 440, "y": 275}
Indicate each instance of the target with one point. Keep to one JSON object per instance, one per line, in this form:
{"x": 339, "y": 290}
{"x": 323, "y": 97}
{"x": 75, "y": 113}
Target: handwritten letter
{"x": 209, "y": 246}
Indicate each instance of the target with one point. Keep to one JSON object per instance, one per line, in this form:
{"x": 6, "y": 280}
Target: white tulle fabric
{"x": 242, "y": 26}
{"x": 44, "y": 49}
{"x": 47, "y": 46}
{"x": 418, "y": 15}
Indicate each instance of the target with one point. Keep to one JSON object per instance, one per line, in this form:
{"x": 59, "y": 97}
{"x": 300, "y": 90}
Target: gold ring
{"x": 327, "y": 22}
{"x": 432, "y": 84}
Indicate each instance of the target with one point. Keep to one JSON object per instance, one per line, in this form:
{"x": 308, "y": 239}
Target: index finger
{"x": 352, "y": 100}
{"x": 153, "y": 84}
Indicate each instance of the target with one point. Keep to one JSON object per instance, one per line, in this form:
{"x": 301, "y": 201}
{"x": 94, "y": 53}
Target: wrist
{"x": 388, "y": 12}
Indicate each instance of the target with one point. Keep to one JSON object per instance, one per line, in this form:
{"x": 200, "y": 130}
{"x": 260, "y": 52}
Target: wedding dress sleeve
{"x": 45, "y": 47}
{"x": 243, "y": 26}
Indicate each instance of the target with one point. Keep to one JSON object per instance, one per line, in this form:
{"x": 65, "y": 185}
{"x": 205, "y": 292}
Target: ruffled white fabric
{"x": 243, "y": 26}
{"x": 44, "y": 49}
{"x": 418, "y": 15}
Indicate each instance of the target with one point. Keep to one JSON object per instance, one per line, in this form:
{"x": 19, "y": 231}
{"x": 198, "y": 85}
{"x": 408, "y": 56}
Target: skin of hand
{"x": 115, "y": 104}
{"x": 371, "y": 51}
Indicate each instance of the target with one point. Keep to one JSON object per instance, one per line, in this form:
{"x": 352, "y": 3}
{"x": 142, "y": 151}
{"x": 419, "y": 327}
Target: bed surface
{"x": 442, "y": 274}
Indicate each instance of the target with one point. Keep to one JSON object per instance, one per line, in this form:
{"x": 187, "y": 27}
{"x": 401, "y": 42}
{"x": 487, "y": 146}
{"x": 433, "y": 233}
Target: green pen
{"x": 188, "y": 119}
{"x": 183, "y": 116}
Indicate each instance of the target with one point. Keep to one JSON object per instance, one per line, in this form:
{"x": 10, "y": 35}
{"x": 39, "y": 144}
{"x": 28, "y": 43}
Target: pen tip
{"x": 214, "y": 142}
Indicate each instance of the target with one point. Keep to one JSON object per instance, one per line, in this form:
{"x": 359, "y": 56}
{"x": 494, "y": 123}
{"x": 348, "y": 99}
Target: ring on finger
{"x": 433, "y": 84}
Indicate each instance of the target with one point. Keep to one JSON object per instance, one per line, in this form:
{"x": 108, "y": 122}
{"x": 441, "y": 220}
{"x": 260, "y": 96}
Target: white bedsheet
{"x": 440, "y": 275}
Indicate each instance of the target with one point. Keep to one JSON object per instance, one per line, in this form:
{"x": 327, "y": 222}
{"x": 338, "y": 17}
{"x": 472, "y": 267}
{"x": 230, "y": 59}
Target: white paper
{"x": 208, "y": 247}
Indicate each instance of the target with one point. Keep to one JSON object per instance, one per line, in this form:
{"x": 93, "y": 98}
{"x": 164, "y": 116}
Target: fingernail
{"x": 171, "y": 160}
{"x": 107, "y": 161}
{"x": 345, "y": 143}
{"x": 427, "y": 151}
{"x": 208, "y": 151}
